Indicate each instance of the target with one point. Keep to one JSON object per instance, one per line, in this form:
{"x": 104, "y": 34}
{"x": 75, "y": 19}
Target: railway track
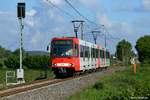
{"x": 37, "y": 84}
{"x": 29, "y": 86}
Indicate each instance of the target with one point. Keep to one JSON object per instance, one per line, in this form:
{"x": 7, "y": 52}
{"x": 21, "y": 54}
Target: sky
{"x": 123, "y": 19}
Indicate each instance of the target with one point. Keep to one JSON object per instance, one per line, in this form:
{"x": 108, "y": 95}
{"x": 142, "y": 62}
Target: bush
{"x": 12, "y": 62}
{"x": 98, "y": 86}
{"x": 1, "y": 65}
{"x": 31, "y": 62}
{"x": 36, "y": 62}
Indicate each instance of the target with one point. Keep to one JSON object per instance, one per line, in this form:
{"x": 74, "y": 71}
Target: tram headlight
{"x": 71, "y": 64}
{"x": 54, "y": 64}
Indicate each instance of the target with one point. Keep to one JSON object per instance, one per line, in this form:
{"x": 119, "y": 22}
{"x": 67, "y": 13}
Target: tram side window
{"x": 87, "y": 52}
{"x": 81, "y": 51}
{"x": 107, "y": 55}
{"x": 101, "y": 53}
{"x": 92, "y": 53}
{"x": 96, "y": 53}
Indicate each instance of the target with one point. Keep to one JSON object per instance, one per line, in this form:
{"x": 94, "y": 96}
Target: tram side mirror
{"x": 48, "y": 48}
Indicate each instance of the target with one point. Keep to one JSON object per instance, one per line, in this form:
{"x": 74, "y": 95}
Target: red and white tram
{"x": 71, "y": 55}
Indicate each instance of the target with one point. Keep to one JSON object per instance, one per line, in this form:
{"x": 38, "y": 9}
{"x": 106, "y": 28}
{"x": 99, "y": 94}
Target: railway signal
{"x": 21, "y": 16}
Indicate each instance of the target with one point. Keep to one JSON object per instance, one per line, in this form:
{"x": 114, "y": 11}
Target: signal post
{"x": 21, "y": 16}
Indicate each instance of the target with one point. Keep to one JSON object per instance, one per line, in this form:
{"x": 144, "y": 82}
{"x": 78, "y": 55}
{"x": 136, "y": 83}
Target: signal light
{"x": 21, "y": 10}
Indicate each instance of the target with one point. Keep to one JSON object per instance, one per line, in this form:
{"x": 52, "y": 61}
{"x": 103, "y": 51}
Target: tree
{"x": 1, "y": 65}
{"x": 143, "y": 48}
{"x": 17, "y": 52}
{"x": 124, "y": 51}
{"x": 12, "y": 62}
{"x": 4, "y": 53}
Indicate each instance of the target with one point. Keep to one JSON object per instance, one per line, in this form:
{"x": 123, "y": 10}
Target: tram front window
{"x": 62, "y": 48}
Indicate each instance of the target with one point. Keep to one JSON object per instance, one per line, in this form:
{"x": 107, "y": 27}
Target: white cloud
{"x": 146, "y": 4}
{"x": 31, "y": 13}
{"x": 36, "y": 39}
{"x": 4, "y": 13}
{"x": 114, "y": 26}
{"x": 29, "y": 23}
{"x": 103, "y": 20}
{"x": 126, "y": 28}
{"x": 56, "y": 2}
{"x": 54, "y": 15}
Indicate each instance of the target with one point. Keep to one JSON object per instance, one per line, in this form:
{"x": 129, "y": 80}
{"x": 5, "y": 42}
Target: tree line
{"x": 124, "y": 51}
{"x": 11, "y": 60}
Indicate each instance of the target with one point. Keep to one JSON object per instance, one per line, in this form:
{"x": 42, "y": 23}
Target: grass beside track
{"x": 123, "y": 85}
{"x": 30, "y": 75}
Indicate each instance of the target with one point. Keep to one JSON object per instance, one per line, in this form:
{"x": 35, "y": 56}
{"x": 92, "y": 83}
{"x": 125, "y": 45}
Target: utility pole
{"x": 78, "y": 24}
{"x": 21, "y": 16}
{"x": 95, "y": 34}
{"x": 105, "y": 38}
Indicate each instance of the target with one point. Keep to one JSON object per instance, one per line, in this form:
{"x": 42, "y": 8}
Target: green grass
{"x": 30, "y": 75}
{"x": 120, "y": 86}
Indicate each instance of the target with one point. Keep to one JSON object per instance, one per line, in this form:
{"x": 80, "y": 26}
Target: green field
{"x": 30, "y": 75}
{"x": 123, "y": 85}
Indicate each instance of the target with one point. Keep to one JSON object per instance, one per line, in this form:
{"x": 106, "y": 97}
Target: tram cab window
{"x": 62, "y": 48}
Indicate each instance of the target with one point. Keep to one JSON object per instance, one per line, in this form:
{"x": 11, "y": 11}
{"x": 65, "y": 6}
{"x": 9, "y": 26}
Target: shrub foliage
{"x": 31, "y": 62}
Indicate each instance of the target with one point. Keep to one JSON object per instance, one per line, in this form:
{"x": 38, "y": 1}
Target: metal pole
{"x": 82, "y": 30}
{"x": 104, "y": 35}
{"x": 105, "y": 39}
{"x": 95, "y": 40}
{"x": 94, "y": 36}
{"x": 76, "y": 33}
{"x": 21, "y": 41}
